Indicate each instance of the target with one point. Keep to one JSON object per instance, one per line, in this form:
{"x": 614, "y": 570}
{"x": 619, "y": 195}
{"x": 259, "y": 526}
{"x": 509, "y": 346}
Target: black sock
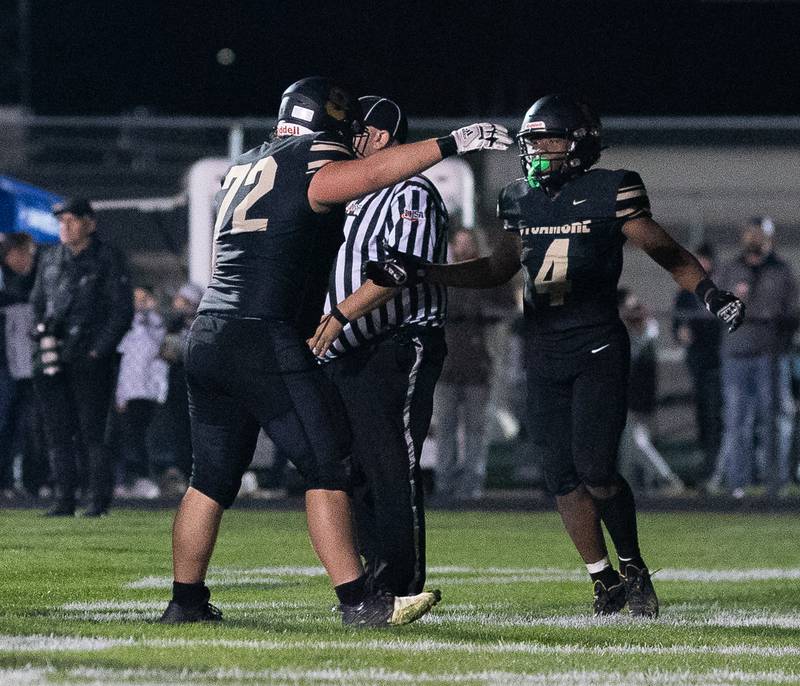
{"x": 608, "y": 577}
{"x": 618, "y": 513}
{"x": 637, "y": 562}
{"x": 190, "y": 595}
{"x": 352, "y": 592}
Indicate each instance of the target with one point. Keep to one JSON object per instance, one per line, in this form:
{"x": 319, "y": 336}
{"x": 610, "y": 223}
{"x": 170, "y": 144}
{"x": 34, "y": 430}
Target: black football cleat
{"x": 383, "y": 609}
{"x": 179, "y": 614}
{"x": 95, "y": 511}
{"x": 642, "y": 599}
{"x": 61, "y": 509}
{"x": 609, "y": 601}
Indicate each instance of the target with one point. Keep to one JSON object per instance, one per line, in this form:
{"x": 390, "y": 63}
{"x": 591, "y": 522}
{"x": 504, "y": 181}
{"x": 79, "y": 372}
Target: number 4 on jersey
{"x": 552, "y": 276}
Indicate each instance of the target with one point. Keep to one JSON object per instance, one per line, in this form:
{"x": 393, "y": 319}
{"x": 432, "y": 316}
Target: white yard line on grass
{"x": 234, "y": 576}
{"x": 495, "y": 616}
{"x": 478, "y": 575}
{"x": 98, "y": 676}
{"x": 146, "y": 605}
{"x": 42, "y": 643}
{"x": 730, "y": 619}
{"x": 144, "y": 611}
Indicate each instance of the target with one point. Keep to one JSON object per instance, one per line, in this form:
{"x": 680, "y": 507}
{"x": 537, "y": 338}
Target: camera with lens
{"x": 47, "y": 355}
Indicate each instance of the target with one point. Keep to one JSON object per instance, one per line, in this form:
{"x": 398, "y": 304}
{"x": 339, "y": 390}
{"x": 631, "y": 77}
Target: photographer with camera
{"x": 83, "y": 305}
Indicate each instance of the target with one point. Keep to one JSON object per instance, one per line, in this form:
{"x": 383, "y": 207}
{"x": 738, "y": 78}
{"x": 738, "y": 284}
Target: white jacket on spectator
{"x": 142, "y": 372}
{"x": 19, "y": 345}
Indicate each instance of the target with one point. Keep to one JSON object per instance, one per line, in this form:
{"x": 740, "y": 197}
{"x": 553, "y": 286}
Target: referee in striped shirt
{"x": 386, "y": 363}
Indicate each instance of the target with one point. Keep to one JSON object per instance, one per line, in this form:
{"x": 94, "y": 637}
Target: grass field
{"x": 78, "y": 600}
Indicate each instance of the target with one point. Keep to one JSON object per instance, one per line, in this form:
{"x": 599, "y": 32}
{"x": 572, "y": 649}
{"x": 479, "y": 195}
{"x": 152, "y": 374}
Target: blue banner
{"x": 27, "y": 208}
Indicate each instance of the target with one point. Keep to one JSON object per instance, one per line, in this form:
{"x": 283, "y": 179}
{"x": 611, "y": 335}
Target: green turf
{"x": 516, "y": 606}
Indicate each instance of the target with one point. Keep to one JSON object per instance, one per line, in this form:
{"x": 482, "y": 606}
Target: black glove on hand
{"x": 393, "y": 272}
{"x": 722, "y": 304}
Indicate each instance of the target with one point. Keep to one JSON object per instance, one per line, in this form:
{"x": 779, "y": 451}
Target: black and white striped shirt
{"x": 410, "y": 218}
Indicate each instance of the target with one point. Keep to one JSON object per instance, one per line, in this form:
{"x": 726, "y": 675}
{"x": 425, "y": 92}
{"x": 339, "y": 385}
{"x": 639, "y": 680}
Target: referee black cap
{"x": 386, "y": 115}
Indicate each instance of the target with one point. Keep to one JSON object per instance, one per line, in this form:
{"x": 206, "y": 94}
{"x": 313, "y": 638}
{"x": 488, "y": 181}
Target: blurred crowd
{"x": 93, "y": 402}
{"x": 744, "y": 386}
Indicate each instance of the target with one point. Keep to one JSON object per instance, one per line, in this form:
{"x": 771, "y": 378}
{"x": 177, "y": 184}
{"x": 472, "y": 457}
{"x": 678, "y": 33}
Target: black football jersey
{"x": 572, "y": 245}
{"x": 273, "y": 253}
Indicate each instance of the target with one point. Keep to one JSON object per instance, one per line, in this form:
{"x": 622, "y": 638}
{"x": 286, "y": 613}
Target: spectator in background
{"x": 141, "y": 387}
{"x": 22, "y": 434}
{"x": 462, "y": 394}
{"x": 83, "y": 306}
{"x": 6, "y": 400}
{"x": 640, "y": 462}
{"x": 174, "y": 435}
{"x": 756, "y": 382}
{"x": 700, "y": 333}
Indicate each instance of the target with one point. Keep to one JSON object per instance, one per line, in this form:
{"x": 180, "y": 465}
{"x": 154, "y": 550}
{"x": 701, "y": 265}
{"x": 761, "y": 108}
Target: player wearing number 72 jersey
{"x": 565, "y": 225}
{"x": 279, "y": 224}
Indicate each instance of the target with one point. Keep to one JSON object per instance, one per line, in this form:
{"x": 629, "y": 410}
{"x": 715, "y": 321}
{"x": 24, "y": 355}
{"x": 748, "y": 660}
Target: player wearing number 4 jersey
{"x": 279, "y": 223}
{"x": 565, "y": 225}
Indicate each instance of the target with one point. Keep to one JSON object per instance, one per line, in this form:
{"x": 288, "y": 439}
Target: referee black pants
{"x": 387, "y": 388}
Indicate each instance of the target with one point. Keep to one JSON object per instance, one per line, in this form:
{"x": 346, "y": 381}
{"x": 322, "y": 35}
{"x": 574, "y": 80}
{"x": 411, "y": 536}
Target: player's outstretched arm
{"x": 649, "y": 235}
{"x": 482, "y": 272}
{"x": 339, "y": 182}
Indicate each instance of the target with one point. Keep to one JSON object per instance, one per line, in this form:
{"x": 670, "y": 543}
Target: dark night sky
{"x": 437, "y": 58}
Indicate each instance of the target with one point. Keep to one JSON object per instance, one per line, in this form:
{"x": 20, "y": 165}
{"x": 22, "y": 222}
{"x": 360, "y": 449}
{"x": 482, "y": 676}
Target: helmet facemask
{"x": 543, "y": 167}
{"x": 345, "y": 113}
{"x": 360, "y": 141}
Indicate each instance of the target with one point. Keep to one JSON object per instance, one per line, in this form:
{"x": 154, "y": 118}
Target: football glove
{"x": 484, "y": 136}
{"x": 725, "y": 306}
{"x": 393, "y": 272}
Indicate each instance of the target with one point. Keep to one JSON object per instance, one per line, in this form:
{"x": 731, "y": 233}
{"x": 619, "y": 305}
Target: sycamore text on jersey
{"x": 574, "y": 227}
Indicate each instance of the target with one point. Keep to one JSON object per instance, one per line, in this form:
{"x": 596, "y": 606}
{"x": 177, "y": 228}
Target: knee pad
{"x": 329, "y": 474}
{"x": 561, "y": 484}
{"x": 606, "y": 488}
{"x": 222, "y": 493}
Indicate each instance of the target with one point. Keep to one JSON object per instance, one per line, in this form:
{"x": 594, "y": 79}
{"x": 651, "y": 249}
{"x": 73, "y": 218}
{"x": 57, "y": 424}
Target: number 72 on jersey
{"x": 263, "y": 171}
{"x": 551, "y": 279}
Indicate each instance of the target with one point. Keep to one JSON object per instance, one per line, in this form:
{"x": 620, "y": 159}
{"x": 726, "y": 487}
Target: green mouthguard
{"x": 538, "y": 166}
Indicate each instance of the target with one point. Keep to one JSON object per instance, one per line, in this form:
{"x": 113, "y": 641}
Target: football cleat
{"x": 179, "y": 614}
{"x": 383, "y": 609}
{"x": 95, "y": 511}
{"x": 642, "y": 600}
{"x": 61, "y": 508}
{"x": 609, "y": 601}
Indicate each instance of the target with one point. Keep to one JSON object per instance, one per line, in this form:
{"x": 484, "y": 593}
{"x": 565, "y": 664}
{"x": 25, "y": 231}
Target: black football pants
{"x": 387, "y": 388}
{"x": 577, "y": 405}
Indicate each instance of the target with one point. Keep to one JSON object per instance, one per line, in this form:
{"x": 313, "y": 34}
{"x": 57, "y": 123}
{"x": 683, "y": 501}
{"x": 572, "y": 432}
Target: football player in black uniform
{"x": 565, "y": 225}
{"x": 279, "y": 223}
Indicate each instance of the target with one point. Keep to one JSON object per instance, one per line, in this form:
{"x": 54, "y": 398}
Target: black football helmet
{"x": 317, "y": 104}
{"x": 558, "y": 116}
